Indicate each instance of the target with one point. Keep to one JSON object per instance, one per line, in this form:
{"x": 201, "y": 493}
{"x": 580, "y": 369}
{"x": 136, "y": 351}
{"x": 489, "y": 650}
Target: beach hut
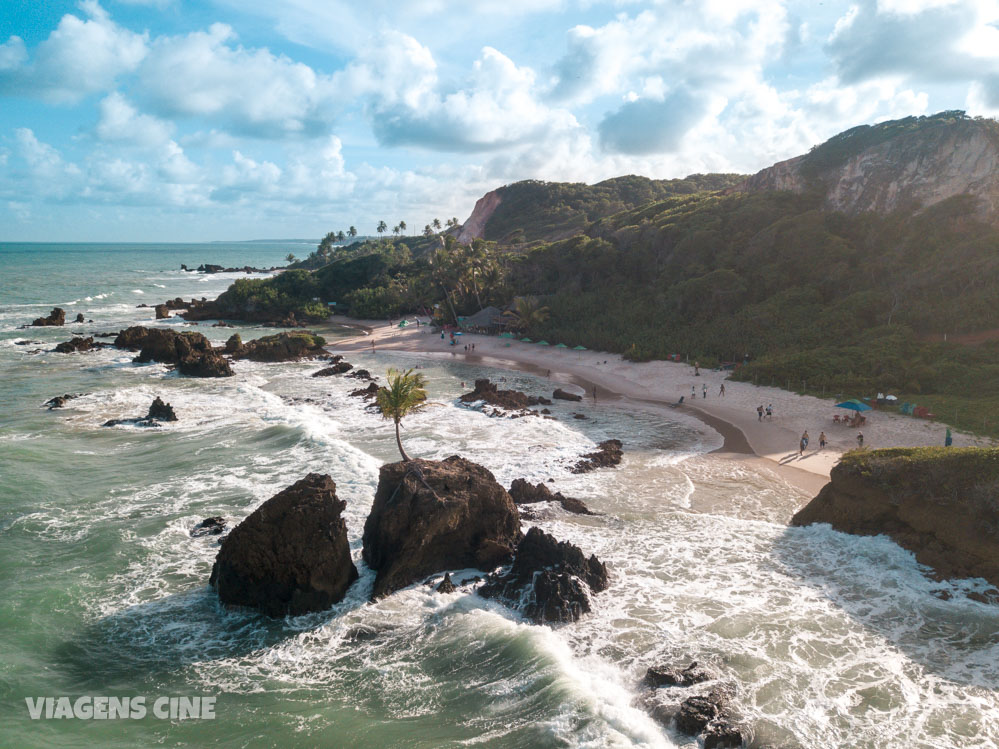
{"x": 489, "y": 319}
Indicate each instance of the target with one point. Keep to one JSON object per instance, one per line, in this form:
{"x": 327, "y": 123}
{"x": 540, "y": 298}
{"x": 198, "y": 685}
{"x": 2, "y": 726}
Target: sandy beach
{"x": 659, "y": 384}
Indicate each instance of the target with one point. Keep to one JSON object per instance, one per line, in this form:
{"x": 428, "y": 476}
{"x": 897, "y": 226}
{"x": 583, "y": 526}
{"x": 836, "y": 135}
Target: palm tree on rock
{"x": 405, "y": 394}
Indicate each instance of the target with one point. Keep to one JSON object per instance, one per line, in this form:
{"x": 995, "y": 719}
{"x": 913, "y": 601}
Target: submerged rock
{"x": 213, "y": 526}
{"x": 78, "y": 344}
{"x": 291, "y": 555}
{"x": 549, "y": 580}
{"x": 56, "y": 317}
{"x": 512, "y": 400}
{"x": 60, "y": 400}
{"x": 446, "y": 586}
{"x": 429, "y": 516}
{"x": 607, "y": 455}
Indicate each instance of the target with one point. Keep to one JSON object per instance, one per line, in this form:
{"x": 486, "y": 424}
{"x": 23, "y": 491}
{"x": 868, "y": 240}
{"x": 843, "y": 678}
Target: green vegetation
{"x": 405, "y": 394}
{"x": 294, "y": 291}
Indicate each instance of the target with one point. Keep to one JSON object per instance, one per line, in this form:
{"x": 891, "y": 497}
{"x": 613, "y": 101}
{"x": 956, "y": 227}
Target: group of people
{"x": 761, "y": 411}
{"x": 704, "y": 390}
{"x": 823, "y": 441}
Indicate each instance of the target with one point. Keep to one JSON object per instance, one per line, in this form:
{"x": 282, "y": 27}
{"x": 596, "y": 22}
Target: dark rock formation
{"x": 487, "y": 391}
{"x": 160, "y": 411}
{"x": 339, "y": 368}
{"x": 56, "y": 317}
{"x": 709, "y": 715}
{"x": 162, "y": 312}
{"x": 213, "y": 526}
{"x": 191, "y": 352}
{"x": 524, "y": 493}
{"x": 79, "y": 317}
{"x": 607, "y": 455}
{"x": 579, "y": 416}
{"x": 281, "y": 347}
{"x": 78, "y": 344}
{"x": 671, "y": 676}
{"x": 205, "y": 365}
{"x": 367, "y": 393}
{"x": 60, "y": 400}
{"x": 429, "y": 516}
{"x": 939, "y": 503}
{"x": 234, "y": 344}
{"x": 561, "y": 394}
{"x": 548, "y": 580}
{"x": 361, "y": 374}
{"x": 446, "y": 585}
{"x": 291, "y": 555}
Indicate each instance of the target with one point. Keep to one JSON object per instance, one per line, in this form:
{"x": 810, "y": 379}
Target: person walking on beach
{"x": 697, "y": 369}
{"x": 770, "y": 410}
{"x": 594, "y": 393}
{"x": 759, "y": 413}
{"x": 704, "y": 390}
{"x": 860, "y": 439}
{"x": 822, "y": 440}
{"x": 804, "y": 443}
{"x": 721, "y": 390}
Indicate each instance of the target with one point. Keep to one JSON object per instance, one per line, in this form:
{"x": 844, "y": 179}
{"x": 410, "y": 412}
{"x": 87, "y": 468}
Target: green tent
{"x": 580, "y": 348}
{"x": 526, "y": 340}
{"x": 543, "y": 343}
{"x": 560, "y": 345}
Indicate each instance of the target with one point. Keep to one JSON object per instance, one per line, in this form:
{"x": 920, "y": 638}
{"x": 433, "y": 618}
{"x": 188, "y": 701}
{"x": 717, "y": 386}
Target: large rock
{"x": 562, "y": 395}
{"x": 162, "y": 312}
{"x": 338, "y": 368}
{"x": 77, "y": 344}
{"x": 56, "y": 317}
{"x": 191, "y": 352}
{"x": 938, "y": 502}
{"x": 60, "y": 400}
{"x": 205, "y": 365}
{"x": 487, "y": 391}
{"x": 549, "y": 580}
{"x": 429, "y": 516}
{"x": 607, "y": 455}
{"x": 672, "y": 676}
{"x": 160, "y": 411}
{"x": 524, "y": 493}
{"x": 281, "y": 347}
{"x": 291, "y": 555}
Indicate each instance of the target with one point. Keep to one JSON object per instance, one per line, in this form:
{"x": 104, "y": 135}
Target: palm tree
{"x": 527, "y": 313}
{"x": 340, "y": 236}
{"x": 396, "y": 229}
{"x": 352, "y": 231}
{"x": 406, "y": 393}
{"x": 382, "y": 226}
{"x": 436, "y": 223}
{"x": 290, "y": 257}
{"x": 427, "y": 231}
{"x": 402, "y": 225}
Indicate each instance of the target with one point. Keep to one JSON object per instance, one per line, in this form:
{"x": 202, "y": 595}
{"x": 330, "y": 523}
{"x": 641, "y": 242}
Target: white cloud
{"x": 81, "y": 56}
{"x": 121, "y": 122}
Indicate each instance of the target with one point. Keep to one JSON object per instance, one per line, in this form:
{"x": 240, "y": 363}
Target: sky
{"x": 174, "y": 120}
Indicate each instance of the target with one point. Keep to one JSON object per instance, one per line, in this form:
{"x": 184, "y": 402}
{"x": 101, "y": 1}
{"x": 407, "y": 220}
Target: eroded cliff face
{"x": 912, "y": 170}
{"x": 940, "y": 503}
{"x": 475, "y": 226}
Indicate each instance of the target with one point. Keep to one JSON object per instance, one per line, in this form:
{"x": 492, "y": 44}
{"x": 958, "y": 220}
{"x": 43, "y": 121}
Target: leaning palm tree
{"x": 405, "y": 394}
{"x": 527, "y": 313}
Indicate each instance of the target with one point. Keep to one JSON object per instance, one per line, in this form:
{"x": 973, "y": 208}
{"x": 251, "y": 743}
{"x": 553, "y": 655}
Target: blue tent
{"x": 854, "y": 405}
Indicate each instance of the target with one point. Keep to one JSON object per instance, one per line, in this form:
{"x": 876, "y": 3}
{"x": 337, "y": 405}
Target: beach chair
{"x": 835, "y": 418}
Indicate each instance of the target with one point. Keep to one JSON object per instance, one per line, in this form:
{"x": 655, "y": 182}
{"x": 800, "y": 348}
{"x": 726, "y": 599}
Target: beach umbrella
{"x": 560, "y": 345}
{"x": 543, "y": 343}
{"x": 580, "y": 348}
{"x": 854, "y": 405}
{"x": 526, "y": 340}
{"x": 506, "y": 335}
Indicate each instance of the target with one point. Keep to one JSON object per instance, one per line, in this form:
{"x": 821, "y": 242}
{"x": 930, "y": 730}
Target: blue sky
{"x": 170, "y": 120}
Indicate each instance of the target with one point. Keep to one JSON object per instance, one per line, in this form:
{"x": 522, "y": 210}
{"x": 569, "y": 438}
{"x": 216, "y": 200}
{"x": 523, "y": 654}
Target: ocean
{"x": 829, "y": 640}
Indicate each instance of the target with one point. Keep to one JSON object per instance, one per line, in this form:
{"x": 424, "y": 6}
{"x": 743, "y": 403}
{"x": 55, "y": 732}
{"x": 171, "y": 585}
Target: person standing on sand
{"x": 697, "y": 369}
{"x": 704, "y": 390}
{"x": 759, "y": 413}
{"x": 721, "y": 390}
{"x": 802, "y": 444}
{"x": 770, "y": 410}
{"x": 822, "y": 440}
{"x": 804, "y": 438}
{"x": 948, "y": 440}
{"x": 860, "y": 439}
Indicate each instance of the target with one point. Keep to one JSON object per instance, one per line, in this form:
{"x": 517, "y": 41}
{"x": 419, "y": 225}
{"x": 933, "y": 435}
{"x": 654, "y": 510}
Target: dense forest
{"x": 818, "y": 301}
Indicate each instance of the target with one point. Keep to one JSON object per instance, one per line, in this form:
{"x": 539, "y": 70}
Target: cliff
{"x": 940, "y": 503}
{"x": 907, "y": 164}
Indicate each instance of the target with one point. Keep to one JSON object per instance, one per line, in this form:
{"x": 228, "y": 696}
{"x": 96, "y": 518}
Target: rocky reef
{"x": 429, "y": 516}
{"x": 525, "y": 493}
{"x": 56, "y": 317}
{"x": 607, "y": 455}
{"x": 159, "y": 411}
{"x": 291, "y": 555}
{"x": 940, "y": 503}
{"x": 278, "y": 348}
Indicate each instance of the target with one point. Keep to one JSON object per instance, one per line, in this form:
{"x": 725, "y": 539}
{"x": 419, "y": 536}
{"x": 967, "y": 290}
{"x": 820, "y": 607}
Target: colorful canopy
{"x": 854, "y": 405}
{"x": 543, "y": 343}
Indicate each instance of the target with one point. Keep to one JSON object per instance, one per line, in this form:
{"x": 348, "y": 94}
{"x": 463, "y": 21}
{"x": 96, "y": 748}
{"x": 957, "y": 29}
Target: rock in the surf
{"x": 367, "y": 393}
{"x": 562, "y": 395}
{"x": 525, "y": 493}
{"x": 291, "y": 555}
{"x": 213, "y": 526}
{"x": 429, "y": 516}
{"x": 56, "y": 317}
{"x": 162, "y": 345}
{"x": 77, "y": 344}
{"x": 607, "y": 455}
{"x": 162, "y": 312}
{"x": 79, "y": 317}
{"x": 512, "y": 400}
{"x": 60, "y": 400}
{"x": 282, "y": 347}
{"x": 209, "y": 364}
{"x": 672, "y": 676}
{"x": 339, "y": 368}
{"x": 160, "y": 411}
{"x": 550, "y": 580}
{"x": 446, "y": 585}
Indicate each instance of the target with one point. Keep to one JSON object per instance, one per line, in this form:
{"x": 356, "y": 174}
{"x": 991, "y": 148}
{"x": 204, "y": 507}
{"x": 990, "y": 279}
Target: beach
{"x": 660, "y": 384}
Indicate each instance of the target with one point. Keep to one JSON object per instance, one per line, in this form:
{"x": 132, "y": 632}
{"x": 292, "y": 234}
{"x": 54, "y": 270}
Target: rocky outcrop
{"x": 524, "y": 493}
{"x": 939, "y": 503}
{"x": 213, "y": 526}
{"x": 488, "y": 392}
{"x": 367, "y": 393}
{"x": 475, "y": 226}
{"x": 446, "y": 585}
{"x": 191, "y": 353}
{"x": 672, "y": 676}
{"x": 902, "y": 164}
{"x": 158, "y": 412}
{"x": 608, "y": 454}
{"x": 549, "y": 581}
{"x": 56, "y": 317}
{"x": 60, "y": 400}
{"x": 338, "y": 368}
{"x": 280, "y": 347}
{"x": 291, "y": 555}
{"x": 80, "y": 318}
{"x": 205, "y": 365}
{"x": 162, "y": 312}
{"x": 429, "y": 516}
{"x": 78, "y": 344}
{"x": 562, "y": 395}
{"x": 708, "y": 714}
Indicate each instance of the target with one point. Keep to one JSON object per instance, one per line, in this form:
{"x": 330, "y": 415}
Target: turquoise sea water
{"x": 832, "y": 641}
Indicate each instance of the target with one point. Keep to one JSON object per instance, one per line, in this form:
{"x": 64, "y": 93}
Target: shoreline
{"x": 736, "y": 444}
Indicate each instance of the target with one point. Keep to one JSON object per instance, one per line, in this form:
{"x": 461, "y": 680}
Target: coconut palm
{"x": 402, "y": 226}
{"x": 527, "y": 313}
{"x": 352, "y": 231}
{"x": 405, "y": 394}
{"x": 382, "y": 226}
{"x": 436, "y": 223}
